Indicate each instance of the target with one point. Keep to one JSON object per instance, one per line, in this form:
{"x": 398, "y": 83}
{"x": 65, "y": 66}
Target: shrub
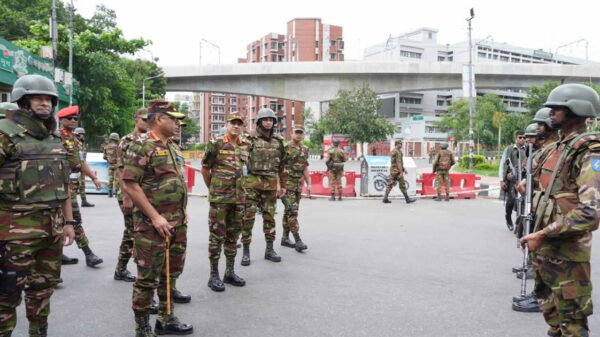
{"x": 477, "y": 159}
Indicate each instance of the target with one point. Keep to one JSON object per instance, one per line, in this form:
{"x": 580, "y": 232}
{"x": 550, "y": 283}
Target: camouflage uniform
{"x": 336, "y": 155}
{"x": 110, "y": 155}
{"x": 441, "y": 166}
{"x": 267, "y": 155}
{"x": 74, "y": 147}
{"x": 227, "y": 195}
{"x": 126, "y": 247}
{"x": 395, "y": 174}
{"x": 34, "y": 177}
{"x": 81, "y": 192}
{"x": 297, "y": 161}
{"x": 157, "y": 169}
{"x": 562, "y": 264}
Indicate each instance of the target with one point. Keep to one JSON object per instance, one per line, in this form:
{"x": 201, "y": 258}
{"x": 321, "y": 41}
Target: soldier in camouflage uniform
{"x": 263, "y": 184}
{"x": 296, "y": 168}
{"x": 125, "y": 203}
{"x": 34, "y": 204}
{"x": 441, "y": 166}
{"x": 154, "y": 180}
{"x": 508, "y": 173}
{"x": 110, "y": 155}
{"x": 80, "y": 133}
{"x": 68, "y": 118}
{"x": 568, "y": 213}
{"x": 397, "y": 172}
{"x": 335, "y": 165}
{"x": 6, "y": 109}
{"x": 224, "y": 169}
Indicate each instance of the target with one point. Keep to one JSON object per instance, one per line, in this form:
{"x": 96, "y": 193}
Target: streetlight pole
{"x": 212, "y": 44}
{"x": 71, "y": 54}
{"x": 144, "y": 88}
{"x": 471, "y": 101}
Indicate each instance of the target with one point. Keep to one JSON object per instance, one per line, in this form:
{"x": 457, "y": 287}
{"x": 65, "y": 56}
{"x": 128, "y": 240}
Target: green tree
{"x": 354, "y": 113}
{"x": 191, "y": 129}
{"x": 536, "y": 96}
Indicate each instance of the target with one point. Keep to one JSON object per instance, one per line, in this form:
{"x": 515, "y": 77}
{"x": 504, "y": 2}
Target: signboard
{"x": 541, "y": 53}
{"x": 418, "y": 118}
{"x": 6, "y": 61}
{"x": 349, "y": 150}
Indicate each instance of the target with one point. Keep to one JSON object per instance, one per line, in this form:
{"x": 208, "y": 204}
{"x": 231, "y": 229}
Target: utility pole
{"x": 471, "y": 98}
{"x": 71, "y": 54}
{"x": 54, "y": 36}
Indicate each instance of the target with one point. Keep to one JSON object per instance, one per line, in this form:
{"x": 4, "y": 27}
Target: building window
{"x": 410, "y": 100}
{"x": 332, "y": 57}
{"x": 410, "y": 54}
{"x": 332, "y": 43}
{"x": 217, "y": 108}
{"x": 341, "y": 56}
{"x": 504, "y": 58}
{"x": 317, "y": 57}
{"x": 273, "y": 45}
{"x": 481, "y": 55}
{"x": 274, "y": 58}
{"x": 430, "y": 35}
{"x": 341, "y": 45}
{"x": 317, "y": 44}
{"x": 441, "y": 58}
{"x": 440, "y": 103}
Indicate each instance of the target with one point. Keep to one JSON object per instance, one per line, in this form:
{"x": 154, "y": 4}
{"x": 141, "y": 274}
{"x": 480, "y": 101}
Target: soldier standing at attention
{"x": 263, "y": 184}
{"x": 110, "y": 155}
{"x": 335, "y": 165}
{"x": 397, "y": 173}
{"x": 68, "y": 118}
{"x": 125, "y": 203}
{"x": 153, "y": 179}
{"x": 296, "y": 168}
{"x": 508, "y": 175}
{"x": 35, "y": 212}
{"x": 441, "y": 166}
{"x": 80, "y": 133}
{"x": 569, "y": 212}
{"x": 224, "y": 168}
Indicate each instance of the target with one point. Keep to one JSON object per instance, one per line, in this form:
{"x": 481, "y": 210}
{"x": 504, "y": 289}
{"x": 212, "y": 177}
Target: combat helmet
{"x": 531, "y": 130}
{"x": 336, "y": 142}
{"x": 444, "y": 145}
{"x": 34, "y": 85}
{"x": 79, "y": 131}
{"x": 543, "y": 116}
{"x": 5, "y": 106}
{"x": 114, "y": 136}
{"x": 266, "y": 113}
{"x": 582, "y": 100}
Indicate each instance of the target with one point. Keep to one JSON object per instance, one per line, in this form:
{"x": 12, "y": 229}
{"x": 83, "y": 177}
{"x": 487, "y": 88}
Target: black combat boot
{"x": 386, "y": 200}
{"x": 246, "y": 255}
{"x": 332, "y": 197}
{"x": 271, "y": 254}
{"x": 170, "y": 325}
{"x": 438, "y": 198}
{"x": 179, "y": 297}
{"x": 38, "y": 329}
{"x": 142, "y": 325}
{"x": 121, "y": 272}
{"x": 230, "y": 276}
{"x": 90, "y": 258}
{"x": 527, "y": 305}
{"x": 340, "y": 196}
{"x": 409, "y": 199}
{"x": 110, "y": 193}
{"x": 214, "y": 281}
{"x": 447, "y": 197}
{"x": 285, "y": 240}
{"x": 85, "y": 203}
{"x": 300, "y": 246}
{"x": 69, "y": 260}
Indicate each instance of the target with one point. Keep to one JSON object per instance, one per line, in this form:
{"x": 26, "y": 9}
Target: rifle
{"x": 519, "y": 222}
{"x": 527, "y": 221}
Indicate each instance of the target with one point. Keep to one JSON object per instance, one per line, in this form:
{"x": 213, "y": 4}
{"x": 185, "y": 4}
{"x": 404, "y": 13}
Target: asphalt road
{"x": 425, "y": 269}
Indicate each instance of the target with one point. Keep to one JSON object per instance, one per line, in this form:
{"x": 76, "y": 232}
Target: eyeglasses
{"x": 298, "y": 132}
{"x": 72, "y": 118}
{"x": 521, "y": 137}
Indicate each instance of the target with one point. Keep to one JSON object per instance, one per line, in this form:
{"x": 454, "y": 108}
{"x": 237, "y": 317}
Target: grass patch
{"x": 490, "y": 172}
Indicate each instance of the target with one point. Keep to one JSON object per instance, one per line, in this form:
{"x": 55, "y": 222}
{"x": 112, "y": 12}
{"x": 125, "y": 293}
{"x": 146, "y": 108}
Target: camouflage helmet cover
{"x": 266, "y": 113}
{"x": 444, "y": 145}
{"x": 114, "y": 136}
{"x": 34, "y": 85}
{"x": 582, "y": 100}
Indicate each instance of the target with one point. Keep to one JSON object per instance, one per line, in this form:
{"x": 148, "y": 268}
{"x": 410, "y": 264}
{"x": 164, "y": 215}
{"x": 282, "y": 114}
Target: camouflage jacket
{"x": 396, "y": 158}
{"x": 573, "y": 211}
{"x": 121, "y": 151}
{"x": 34, "y": 178}
{"x": 111, "y": 153}
{"x": 443, "y": 161}
{"x": 266, "y": 158}
{"x": 296, "y": 162}
{"x": 157, "y": 169}
{"x": 73, "y": 146}
{"x": 226, "y": 163}
{"x": 337, "y": 158}
{"x": 512, "y": 158}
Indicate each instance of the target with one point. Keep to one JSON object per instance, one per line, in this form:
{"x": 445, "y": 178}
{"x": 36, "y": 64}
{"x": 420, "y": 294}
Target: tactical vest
{"x": 111, "y": 153}
{"x": 297, "y": 161}
{"x": 37, "y": 177}
{"x": 445, "y": 160}
{"x": 265, "y": 156}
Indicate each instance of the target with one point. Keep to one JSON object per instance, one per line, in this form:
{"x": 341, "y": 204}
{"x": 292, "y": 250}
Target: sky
{"x": 176, "y": 27}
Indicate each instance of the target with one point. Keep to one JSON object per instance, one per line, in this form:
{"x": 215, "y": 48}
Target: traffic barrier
{"x": 461, "y": 183}
{"x": 190, "y": 176}
{"x": 320, "y": 183}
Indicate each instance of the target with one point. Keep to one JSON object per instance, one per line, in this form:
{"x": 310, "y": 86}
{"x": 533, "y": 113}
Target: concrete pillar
{"x": 358, "y": 150}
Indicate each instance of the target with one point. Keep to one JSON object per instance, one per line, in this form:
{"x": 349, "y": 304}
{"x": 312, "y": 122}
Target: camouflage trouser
{"x": 396, "y": 177}
{"x": 82, "y": 186}
{"x": 224, "y": 225}
{"x": 335, "y": 177}
{"x": 442, "y": 177}
{"x": 113, "y": 181}
{"x": 150, "y": 256}
{"x": 126, "y": 248}
{"x": 291, "y": 201}
{"x": 267, "y": 201}
{"x": 80, "y": 236}
{"x": 564, "y": 290}
{"x": 41, "y": 257}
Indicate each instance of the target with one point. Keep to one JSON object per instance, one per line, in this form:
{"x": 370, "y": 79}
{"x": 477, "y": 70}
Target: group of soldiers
{"x": 564, "y": 195}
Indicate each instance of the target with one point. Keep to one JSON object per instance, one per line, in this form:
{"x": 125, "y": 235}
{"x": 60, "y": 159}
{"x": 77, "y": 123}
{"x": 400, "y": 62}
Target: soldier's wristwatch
{"x": 71, "y": 222}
